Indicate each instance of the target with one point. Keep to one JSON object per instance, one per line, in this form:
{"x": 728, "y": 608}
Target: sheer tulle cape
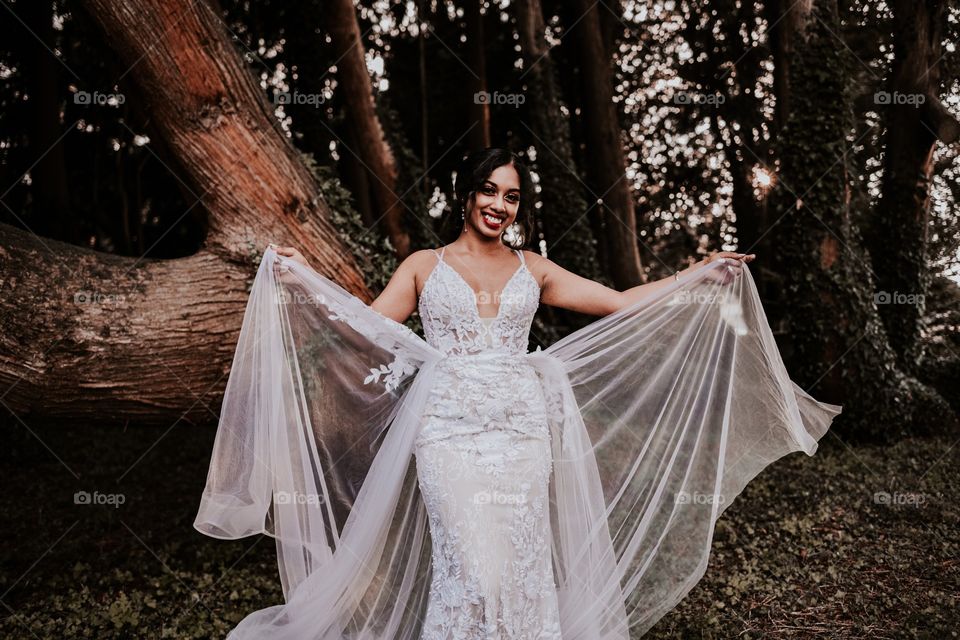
{"x": 659, "y": 415}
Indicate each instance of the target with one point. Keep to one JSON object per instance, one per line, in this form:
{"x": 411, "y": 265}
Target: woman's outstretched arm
{"x": 567, "y": 290}
{"x": 399, "y": 298}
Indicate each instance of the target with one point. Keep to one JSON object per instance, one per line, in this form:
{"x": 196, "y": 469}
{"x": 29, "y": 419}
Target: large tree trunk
{"x": 839, "y": 343}
{"x": 354, "y": 173}
{"x": 606, "y": 166}
{"x": 912, "y": 132}
{"x": 372, "y": 148}
{"x": 100, "y": 337}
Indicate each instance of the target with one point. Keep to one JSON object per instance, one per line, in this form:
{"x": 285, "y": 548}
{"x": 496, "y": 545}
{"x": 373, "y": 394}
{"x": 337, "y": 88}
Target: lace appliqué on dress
{"x": 382, "y": 330}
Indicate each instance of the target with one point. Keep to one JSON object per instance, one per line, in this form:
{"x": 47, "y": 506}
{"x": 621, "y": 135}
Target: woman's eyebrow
{"x": 495, "y": 186}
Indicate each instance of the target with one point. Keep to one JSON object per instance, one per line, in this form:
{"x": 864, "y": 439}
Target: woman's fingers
{"x": 293, "y": 254}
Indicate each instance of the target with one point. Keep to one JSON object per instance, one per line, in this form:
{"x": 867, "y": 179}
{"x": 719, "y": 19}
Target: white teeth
{"x": 492, "y": 219}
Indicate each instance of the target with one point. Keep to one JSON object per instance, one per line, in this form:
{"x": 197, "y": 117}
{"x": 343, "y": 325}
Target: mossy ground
{"x": 805, "y": 551}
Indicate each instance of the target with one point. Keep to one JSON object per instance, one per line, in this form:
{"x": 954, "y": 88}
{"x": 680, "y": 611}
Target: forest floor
{"x": 811, "y": 549}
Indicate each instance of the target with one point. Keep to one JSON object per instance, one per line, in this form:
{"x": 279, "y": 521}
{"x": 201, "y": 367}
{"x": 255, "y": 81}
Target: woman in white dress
{"x": 550, "y": 515}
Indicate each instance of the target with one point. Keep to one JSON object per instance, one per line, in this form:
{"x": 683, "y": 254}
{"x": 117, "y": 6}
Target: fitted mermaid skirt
{"x": 483, "y": 464}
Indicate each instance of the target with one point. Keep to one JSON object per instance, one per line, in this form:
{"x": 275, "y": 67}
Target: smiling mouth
{"x": 493, "y": 220}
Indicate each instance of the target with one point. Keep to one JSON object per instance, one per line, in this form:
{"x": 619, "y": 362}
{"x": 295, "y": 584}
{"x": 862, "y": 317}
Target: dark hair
{"x": 475, "y": 169}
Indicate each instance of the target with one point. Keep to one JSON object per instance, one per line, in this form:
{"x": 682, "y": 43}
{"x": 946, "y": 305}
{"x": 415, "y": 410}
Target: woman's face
{"x": 495, "y": 205}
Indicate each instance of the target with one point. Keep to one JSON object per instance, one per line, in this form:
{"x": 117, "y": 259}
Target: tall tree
{"x": 478, "y": 114}
{"x": 606, "y": 165}
{"x": 371, "y": 145}
{"x": 730, "y": 71}
{"x": 563, "y": 214}
{"x": 837, "y": 336}
{"x": 916, "y": 120}
{"x": 95, "y": 336}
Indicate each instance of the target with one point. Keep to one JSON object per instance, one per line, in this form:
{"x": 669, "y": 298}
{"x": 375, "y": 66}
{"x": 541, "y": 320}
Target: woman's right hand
{"x": 291, "y": 253}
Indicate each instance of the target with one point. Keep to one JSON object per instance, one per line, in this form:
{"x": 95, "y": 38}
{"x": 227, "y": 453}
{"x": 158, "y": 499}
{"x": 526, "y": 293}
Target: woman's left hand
{"x": 733, "y": 260}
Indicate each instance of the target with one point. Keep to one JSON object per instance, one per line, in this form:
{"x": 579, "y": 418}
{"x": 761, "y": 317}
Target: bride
{"x": 461, "y": 487}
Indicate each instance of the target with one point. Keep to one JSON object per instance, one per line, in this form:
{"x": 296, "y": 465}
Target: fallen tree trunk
{"x": 153, "y": 340}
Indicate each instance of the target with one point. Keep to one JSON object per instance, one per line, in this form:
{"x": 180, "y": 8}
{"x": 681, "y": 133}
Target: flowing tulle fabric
{"x": 659, "y": 415}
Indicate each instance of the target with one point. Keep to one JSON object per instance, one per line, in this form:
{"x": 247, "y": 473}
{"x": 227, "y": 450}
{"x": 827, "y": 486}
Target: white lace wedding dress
{"x": 463, "y": 488}
{"x": 483, "y": 461}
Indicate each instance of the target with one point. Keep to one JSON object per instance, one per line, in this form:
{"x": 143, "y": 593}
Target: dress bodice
{"x": 451, "y": 317}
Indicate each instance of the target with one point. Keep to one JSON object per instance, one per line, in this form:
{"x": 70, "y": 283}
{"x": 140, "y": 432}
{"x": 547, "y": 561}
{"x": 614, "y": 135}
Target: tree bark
{"x": 354, "y": 173}
{"x": 912, "y": 132}
{"x": 611, "y": 27}
{"x": 785, "y": 18}
{"x": 372, "y": 148}
{"x": 479, "y": 110}
{"x": 840, "y": 350}
{"x": 606, "y": 166}
{"x": 154, "y": 340}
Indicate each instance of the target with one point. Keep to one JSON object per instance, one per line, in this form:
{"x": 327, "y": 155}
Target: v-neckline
{"x": 475, "y": 295}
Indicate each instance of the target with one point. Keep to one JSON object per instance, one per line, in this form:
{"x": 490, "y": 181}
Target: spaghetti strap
{"x": 520, "y": 255}
{"x": 439, "y": 255}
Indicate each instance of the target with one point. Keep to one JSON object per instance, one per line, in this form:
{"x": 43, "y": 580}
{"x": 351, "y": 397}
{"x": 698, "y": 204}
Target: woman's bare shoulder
{"x": 539, "y": 266}
{"x": 418, "y": 259}
{"x": 536, "y": 261}
{"x": 418, "y": 264}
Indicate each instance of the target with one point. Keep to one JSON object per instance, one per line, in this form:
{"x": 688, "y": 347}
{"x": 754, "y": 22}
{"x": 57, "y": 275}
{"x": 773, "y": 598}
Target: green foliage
{"x": 835, "y": 328}
{"x": 373, "y": 252}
